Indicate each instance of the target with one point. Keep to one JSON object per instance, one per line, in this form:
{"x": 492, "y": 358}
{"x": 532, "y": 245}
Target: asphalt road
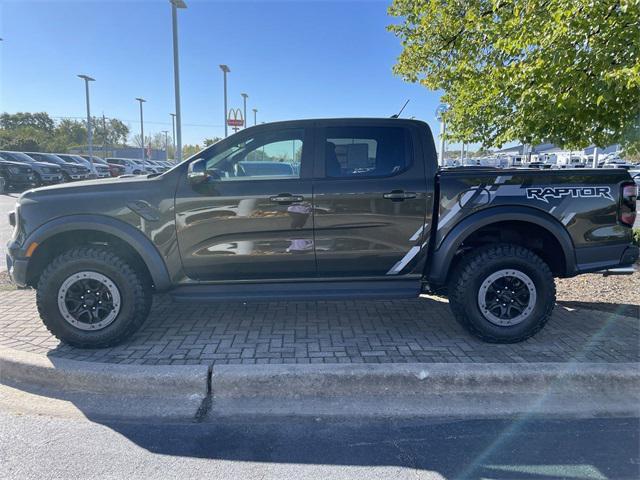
{"x": 41, "y": 447}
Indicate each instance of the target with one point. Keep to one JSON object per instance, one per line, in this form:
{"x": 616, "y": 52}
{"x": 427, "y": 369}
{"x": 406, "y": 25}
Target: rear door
{"x": 370, "y": 198}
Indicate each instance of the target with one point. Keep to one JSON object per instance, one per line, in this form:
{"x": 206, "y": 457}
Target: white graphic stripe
{"x": 397, "y": 268}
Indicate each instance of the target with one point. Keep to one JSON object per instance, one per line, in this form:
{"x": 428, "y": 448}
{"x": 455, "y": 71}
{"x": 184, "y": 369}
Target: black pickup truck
{"x": 319, "y": 209}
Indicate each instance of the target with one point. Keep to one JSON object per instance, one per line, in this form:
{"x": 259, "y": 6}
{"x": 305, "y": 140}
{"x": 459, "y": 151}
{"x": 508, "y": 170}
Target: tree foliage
{"x": 38, "y": 132}
{"x": 564, "y": 71}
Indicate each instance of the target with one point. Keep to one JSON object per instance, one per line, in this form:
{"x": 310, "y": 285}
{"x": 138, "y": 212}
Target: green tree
{"x": 188, "y": 150}
{"x": 38, "y": 121}
{"x": 565, "y": 71}
{"x": 111, "y": 131}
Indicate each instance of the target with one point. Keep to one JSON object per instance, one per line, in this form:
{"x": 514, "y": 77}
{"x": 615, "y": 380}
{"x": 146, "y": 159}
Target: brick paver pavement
{"x": 420, "y": 330}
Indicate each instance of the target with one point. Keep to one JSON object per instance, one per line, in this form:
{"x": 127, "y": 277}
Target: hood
{"x": 43, "y": 165}
{"x": 96, "y": 185}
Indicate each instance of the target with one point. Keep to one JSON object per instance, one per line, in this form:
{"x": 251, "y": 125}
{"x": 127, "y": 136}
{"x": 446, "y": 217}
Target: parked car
{"x": 370, "y": 215}
{"x": 70, "y": 171}
{"x": 158, "y": 166}
{"x": 15, "y": 176}
{"x": 114, "y": 170}
{"x": 102, "y": 171}
{"x": 131, "y": 167}
{"x": 44, "y": 173}
{"x": 257, "y": 169}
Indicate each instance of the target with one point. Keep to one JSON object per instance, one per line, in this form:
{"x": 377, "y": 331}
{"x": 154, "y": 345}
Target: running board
{"x": 333, "y": 290}
{"x": 619, "y": 271}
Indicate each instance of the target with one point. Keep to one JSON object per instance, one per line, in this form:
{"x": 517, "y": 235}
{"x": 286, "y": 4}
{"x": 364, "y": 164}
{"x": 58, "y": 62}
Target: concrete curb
{"x": 296, "y": 381}
{"x": 112, "y": 390}
{"x": 427, "y": 389}
{"x": 180, "y": 392}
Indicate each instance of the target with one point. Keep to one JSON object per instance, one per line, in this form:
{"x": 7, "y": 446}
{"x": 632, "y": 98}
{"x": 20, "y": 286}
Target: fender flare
{"x": 126, "y": 232}
{"x": 443, "y": 255}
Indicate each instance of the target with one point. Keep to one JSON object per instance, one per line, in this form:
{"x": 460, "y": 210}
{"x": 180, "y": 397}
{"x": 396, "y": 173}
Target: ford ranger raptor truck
{"x": 319, "y": 209}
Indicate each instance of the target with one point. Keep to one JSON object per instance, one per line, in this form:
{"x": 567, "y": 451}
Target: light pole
{"x": 255, "y": 116}
{"x": 166, "y": 144}
{"x": 88, "y": 79}
{"x": 440, "y": 115}
{"x": 175, "y": 4}
{"x": 244, "y": 98}
{"x": 173, "y": 139}
{"x": 144, "y": 160}
{"x": 225, "y": 70}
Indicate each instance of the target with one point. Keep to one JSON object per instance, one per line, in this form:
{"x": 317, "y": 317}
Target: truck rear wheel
{"x": 90, "y": 297}
{"x": 502, "y": 293}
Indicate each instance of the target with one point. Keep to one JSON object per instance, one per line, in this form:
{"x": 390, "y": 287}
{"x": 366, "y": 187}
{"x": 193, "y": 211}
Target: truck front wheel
{"x": 90, "y": 297}
{"x": 502, "y": 293}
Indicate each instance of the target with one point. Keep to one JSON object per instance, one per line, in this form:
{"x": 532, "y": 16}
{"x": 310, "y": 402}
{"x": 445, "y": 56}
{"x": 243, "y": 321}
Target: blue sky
{"x": 295, "y": 59}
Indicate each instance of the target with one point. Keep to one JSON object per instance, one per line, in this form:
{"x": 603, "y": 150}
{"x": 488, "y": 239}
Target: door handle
{"x": 286, "y": 198}
{"x": 399, "y": 195}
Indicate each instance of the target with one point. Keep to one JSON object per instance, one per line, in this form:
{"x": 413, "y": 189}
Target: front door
{"x": 370, "y": 200}
{"x": 252, "y": 218}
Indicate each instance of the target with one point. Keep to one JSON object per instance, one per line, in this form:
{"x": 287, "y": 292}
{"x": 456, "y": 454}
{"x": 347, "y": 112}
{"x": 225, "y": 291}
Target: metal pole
{"x": 176, "y": 76}
{"x": 104, "y": 142}
{"x": 443, "y": 129}
{"x": 88, "y": 79}
{"x": 173, "y": 139}
{"x": 244, "y": 97}
{"x": 255, "y": 116}
{"x": 166, "y": 144}
{"x": 595, "y": 157}
{"x": 144, "y": 160}
{"x": 462, "y": 154}
{"x": 225, "y": 69}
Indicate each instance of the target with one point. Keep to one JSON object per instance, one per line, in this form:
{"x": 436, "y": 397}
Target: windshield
{"x": 48, "y": 157}
{"x": 18, "y": 157}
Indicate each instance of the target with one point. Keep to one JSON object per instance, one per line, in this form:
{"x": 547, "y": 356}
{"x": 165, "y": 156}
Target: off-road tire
{"x": 475, "y": 267}
{"x": 135, "y": 293}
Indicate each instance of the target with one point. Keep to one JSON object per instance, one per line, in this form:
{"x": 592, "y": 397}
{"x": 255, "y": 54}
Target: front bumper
{"x": 18, "y": 270}
{"x": 51, "y": 179}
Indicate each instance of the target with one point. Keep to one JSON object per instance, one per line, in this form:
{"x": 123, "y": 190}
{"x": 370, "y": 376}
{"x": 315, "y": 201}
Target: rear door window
{"x": 365, "y": 151}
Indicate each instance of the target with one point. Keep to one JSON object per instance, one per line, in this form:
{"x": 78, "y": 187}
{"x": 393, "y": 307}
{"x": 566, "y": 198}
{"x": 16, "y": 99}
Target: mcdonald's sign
{"x": 234, "y": 118}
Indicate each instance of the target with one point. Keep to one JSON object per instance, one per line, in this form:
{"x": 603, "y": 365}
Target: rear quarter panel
{"x": 584, "y": 201}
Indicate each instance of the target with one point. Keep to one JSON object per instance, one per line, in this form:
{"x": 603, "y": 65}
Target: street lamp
{"x": 225, "y": 70}
{"x": 175, "y": 4}
{"x": 244, "y": 98}
{"x": 173, "y": 139}
{"x": 441, "y": 111}
{"x": 88, "y": 79}
{"x": 144, "y": 161}
{"x": 255, "y": 116}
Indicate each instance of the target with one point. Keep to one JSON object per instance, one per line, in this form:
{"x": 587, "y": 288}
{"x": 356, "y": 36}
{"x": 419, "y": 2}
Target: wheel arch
{"x": 444, "y": 256}
{"x": 77, "y": 229}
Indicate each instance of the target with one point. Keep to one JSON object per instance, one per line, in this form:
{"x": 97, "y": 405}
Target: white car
{"x": 131, "y": 166}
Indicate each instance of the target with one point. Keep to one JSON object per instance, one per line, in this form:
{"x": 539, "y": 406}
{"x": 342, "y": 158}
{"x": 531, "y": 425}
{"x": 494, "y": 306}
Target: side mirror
{"x": 197, "y": 172}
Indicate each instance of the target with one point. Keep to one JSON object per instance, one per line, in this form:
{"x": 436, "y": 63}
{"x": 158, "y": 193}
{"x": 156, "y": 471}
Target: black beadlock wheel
{"x": 502, "y": 293}
{"x": 90, "y": 297}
